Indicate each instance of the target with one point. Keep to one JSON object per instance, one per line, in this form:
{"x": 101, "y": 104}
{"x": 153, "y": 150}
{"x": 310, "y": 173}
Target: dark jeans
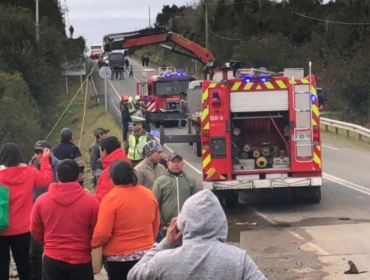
{"x": 125, "y": 131}
{"x": 36, "y": 251}
{"x": 119, "y": 270}
{"x": 20, "y": 246}
{"x": 58, "y": 270}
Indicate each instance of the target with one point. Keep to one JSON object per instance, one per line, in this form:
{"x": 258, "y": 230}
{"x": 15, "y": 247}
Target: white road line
{"x": 137, "y": 63}
{"x": 119, "y": 96}
{"x": 133, "y": 61}
{"x": 312, "y": 246}
{"x": 347, "y": 184}
{"x": 329, "y": 147}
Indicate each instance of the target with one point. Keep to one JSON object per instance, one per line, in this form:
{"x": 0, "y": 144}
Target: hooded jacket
{"x": 105, "y": 185}
{"x": 21, "y": 180}
{"x": 63, "y": 221}
{"x": 171, "y": 192}
{"x": 204, "y": 254}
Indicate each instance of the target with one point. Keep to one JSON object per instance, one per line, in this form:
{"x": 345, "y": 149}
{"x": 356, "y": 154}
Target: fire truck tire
{"x": 230, "y": 198}
{"x": 315, "y": 196}
{"x": 198, "y": 149}
{"x": 310, "y": 195}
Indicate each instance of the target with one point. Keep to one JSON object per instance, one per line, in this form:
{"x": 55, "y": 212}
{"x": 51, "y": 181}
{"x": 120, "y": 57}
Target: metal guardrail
{"x": 348, "y": 127}
{"x": 112, "y": 108}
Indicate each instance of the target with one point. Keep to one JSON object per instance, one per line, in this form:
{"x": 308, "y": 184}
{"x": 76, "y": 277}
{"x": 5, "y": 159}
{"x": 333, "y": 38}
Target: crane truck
{"x": 165, "y": 90}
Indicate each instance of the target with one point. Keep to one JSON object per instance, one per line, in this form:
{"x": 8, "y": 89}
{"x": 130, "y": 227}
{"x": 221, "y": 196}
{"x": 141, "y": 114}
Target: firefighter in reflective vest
{"x": 137, "y": 140}
{"x": 131, "y": 106}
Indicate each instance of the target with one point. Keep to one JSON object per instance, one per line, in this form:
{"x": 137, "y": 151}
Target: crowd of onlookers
{"x": 146, "y": 214}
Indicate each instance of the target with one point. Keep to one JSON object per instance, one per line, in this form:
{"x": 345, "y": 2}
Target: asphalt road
{"x": 290, "y": 239}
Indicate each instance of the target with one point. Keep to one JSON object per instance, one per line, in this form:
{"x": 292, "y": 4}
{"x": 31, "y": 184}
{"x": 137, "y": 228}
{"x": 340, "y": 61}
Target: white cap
{"x": 137, "y": 97}
{"x": 130, "y": 99}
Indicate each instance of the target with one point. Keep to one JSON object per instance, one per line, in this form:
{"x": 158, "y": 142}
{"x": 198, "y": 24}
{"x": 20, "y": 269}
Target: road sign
{"x": 194, "y": 60}
{"x": 105, "y": 72}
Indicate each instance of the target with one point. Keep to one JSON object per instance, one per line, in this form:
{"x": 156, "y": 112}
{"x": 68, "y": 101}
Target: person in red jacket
{"x": 63, "y": 220}
{"x": 20, "y": 178}
{"x": 110, "y": 151}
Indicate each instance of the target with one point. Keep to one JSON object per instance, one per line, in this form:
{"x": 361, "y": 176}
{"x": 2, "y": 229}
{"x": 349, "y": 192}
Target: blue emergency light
{"x": 247, "y": 79}
{"x": 263, "y": 79}
{"x": 313, "y": 98}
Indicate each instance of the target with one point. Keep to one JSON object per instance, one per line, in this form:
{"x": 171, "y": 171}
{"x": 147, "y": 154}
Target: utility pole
{"x": 37, "y": 22}
{"x": 206, "y": 11}
{"x": 150, "y": 24}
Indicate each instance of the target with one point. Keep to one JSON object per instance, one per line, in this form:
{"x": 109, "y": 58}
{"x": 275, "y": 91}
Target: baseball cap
{"x": 66, "y": 132}
{"x": 40, "y": 145}
{"x": 175, "y": 155}
{"x": 100, "y": 131}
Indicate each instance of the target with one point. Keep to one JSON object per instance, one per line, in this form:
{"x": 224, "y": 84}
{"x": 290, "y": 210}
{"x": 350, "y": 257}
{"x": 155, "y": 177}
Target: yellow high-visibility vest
{"x": 135, "y": 149}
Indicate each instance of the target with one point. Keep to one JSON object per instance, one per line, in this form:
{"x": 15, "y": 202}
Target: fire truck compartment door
{"x": 303, "y": 128}
{"x": 259, "y": 101}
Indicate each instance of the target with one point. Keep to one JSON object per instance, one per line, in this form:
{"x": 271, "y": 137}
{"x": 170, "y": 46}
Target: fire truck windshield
{"x": 171, "y": 88}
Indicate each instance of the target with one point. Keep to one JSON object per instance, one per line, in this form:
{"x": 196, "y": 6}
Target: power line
{"x": 233, "y": 3}
{"x": 332, "y": 21}
{"x": 235, "y": 39}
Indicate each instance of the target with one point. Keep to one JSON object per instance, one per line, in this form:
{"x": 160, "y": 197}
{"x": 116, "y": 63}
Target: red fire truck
{"x": 272, "y": 137}
{"x": 164, "y": 92}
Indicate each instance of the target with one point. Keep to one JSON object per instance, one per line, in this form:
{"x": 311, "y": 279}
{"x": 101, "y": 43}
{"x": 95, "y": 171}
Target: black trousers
{"x": 36, "y": 251}
{"x": 20, "y": 246}
{"x": 125, "y": 130}
{"x": 119, "y": 270}
{"x": 57, "y": 270}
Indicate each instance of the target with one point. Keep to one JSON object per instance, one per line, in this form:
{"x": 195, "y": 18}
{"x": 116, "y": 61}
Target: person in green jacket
{"x": 172, "y": 190}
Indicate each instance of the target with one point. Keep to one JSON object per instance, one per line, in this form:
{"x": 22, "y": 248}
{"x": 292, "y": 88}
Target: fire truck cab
{"x": 165, "y": 91}
{"x": 261, "y": 130}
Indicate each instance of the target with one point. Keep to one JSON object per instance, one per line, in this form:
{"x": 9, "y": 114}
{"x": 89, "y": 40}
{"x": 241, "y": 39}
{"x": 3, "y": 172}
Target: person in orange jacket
{"x": 110, "y": 151}
{"x": 128, "y": 221}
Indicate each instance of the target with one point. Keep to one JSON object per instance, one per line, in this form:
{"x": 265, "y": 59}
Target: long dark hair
{"x": 122, "y": 173}
{"x": 10, "y": 155}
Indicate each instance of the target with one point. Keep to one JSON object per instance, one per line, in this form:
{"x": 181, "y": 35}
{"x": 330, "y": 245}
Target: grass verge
{"x": 95, "y": 117}
{"x": 342, "y": 139}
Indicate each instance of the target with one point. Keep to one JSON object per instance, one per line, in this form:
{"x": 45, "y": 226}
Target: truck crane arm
{"x": 144, "y": 38}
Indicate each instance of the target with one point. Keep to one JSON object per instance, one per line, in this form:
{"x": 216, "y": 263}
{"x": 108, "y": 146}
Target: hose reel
{"x": 261, "y": 162}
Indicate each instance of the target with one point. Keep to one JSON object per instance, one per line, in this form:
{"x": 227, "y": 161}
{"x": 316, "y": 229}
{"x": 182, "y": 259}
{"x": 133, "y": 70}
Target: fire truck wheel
{"x": 232, "y": 199}
{"x": 308, "y": 194}
{"x": 315, "y": 196}
{"x": 198, "y": 149}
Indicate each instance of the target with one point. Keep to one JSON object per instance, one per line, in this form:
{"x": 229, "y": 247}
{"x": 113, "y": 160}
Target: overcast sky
{"x": 93, "y": 19}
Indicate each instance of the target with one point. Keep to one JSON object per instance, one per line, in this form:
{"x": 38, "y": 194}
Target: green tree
{"x": 20, "y": 117}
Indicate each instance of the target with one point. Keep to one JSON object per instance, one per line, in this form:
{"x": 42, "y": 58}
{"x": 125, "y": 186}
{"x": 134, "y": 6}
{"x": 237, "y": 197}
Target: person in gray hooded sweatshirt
{"x": 203, "y": 255}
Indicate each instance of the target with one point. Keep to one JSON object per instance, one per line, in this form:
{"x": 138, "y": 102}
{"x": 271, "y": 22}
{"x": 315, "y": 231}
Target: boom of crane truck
{"x": 260, "y": 131}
